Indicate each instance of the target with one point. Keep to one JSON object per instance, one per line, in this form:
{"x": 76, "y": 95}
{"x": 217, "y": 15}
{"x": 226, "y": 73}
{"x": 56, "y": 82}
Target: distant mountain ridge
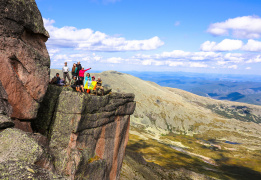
{"x": 240, "y": 88}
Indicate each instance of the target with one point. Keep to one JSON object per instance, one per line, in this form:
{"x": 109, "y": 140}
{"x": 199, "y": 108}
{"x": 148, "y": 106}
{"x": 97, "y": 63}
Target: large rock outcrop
{"x": 87, "y": 134}
{"x": 24, "y": 60}
{"x": 22, "y": 156}
{"x": 82, "y": 137}
{"x": 76, "y": 136}
{"x": 5, "y": 110}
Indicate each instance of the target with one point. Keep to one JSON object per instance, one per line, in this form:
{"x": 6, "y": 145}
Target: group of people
{"x": 77, "y": 82}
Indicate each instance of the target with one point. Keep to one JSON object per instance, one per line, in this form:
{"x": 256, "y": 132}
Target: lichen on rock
{"x": 80, "y": 127}
{"x": 16, "y": 145}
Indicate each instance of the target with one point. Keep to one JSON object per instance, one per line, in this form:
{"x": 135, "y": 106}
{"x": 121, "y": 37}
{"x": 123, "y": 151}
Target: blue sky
{"x": 221, "y": 36}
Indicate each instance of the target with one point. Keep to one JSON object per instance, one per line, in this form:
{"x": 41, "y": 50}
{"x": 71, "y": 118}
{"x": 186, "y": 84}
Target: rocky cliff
{"x": 87, "y": 134}
{"x": 5, "y": 110}
{"x": 24, "y": 60}
{"x": 52, "y": 132}
{"x": 82, "y": 137}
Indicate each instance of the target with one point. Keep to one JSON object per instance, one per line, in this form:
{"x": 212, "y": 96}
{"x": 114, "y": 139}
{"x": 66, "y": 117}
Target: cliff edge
{"x": 87, "y": 134}
{"x": 79, "y": 136}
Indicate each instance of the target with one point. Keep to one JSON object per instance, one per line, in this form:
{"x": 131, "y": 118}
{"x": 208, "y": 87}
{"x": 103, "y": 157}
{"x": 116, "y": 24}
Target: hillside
{"x": 239, "y": 88}
{"x": 177, "y": 129}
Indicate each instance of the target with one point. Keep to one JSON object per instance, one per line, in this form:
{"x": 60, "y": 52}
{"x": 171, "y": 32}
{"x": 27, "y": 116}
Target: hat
{"x": 83, "y": 67}
{"x": 93, "y": 77}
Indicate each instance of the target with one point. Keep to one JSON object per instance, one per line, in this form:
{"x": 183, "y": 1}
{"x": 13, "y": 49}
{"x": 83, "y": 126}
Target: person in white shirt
{"x": 66, "y": 73}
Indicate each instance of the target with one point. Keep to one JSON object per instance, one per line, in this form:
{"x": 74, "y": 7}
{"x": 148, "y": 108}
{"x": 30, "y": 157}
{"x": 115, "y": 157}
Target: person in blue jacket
{"x": 88, "y": 77}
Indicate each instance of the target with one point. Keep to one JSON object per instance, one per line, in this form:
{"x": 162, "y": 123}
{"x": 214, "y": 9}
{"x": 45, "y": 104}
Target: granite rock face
{"x": 23, "y": 156}
{"x": 13, "y": 170}
{"x": 24, "y": 60}
{"x": 5, "y": 110}
{"x": 87, "y": 134}
{"x": 82, "y": 137}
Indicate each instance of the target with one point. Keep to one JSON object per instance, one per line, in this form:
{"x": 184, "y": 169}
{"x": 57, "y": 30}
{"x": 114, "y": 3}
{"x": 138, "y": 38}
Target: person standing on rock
{"x": 74, "y": 70}
{"x": 79, "y": 67}
{"x": 66, "y": 73}
{"x": 82, "y": 71}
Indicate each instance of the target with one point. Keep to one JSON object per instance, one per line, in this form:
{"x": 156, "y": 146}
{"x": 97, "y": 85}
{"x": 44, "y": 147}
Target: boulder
{"x": 16, "y": 145}
{"x": 87, "y": 133}
{"x": 5, "y": 107}
{"x": 24, "y": 58}
{"x": 5, "y": 110}
{"x": 24, "y": 156}
{"x": 13, "y": 170}
{"x": 5, "y": 122}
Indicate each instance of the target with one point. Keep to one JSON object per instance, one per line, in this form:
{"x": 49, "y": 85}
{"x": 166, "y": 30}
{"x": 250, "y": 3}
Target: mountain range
{"x": 240, "y": 88}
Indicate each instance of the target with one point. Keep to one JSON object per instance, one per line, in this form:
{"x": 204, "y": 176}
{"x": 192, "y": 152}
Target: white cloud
{"x": 87, "y": 39}
{"x": 82, "y": 57}
{"x": 240, "y": 27}
{"x": 198, "y": 65}
{"x": 152, "y": 62}
{"x": 78, "y": 55}
{"x": 53, "y": 51}
{"x": 200, "y": 56}
{"x": 256, "y": 59}
{"x": 114, "y": 60}
{"x": 147, "y": 62}
{"x": 61, "y": 57}
{"x": 248, "y": 68}
{"x": 179, "y": 55}
{"x": 234, "y": 57}
{"x": 252, "y": 45}
{"x": 208, "y": 46}
{"x": 225, "y": 45}
{"x": 232, "y": 67}
{"x": 97, "y": 58}
{"x": 48, "y": 22}
{"x": 174, "y": 54}
{"x": 230, "y": 45}
{"x": 222, "y": 62}
{"x": 174, "y": 64}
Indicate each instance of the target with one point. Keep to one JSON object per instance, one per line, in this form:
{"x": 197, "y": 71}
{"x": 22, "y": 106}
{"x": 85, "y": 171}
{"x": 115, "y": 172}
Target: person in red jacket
{"x": 82, "y": 71}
